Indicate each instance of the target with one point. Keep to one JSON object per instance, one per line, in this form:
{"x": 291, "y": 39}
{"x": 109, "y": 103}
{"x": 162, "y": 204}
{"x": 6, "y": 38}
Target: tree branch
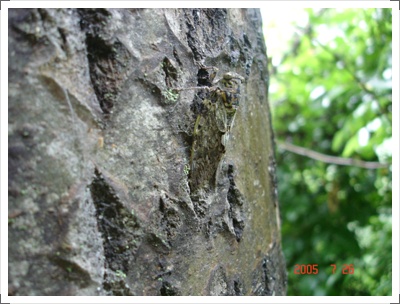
{"x": 330, "y": 159}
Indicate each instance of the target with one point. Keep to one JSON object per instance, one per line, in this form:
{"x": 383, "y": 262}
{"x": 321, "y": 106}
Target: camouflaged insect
{"x": 212, "y": 130}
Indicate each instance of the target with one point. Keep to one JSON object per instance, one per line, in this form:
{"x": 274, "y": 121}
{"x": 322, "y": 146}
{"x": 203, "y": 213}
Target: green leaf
{"x": 351, "y": 146}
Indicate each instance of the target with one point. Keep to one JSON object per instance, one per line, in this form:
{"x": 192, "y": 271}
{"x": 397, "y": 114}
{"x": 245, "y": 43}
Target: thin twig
{"x": 330, "y": 159}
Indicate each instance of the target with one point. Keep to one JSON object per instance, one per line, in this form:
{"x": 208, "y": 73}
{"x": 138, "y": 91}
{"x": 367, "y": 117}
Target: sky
{"x": 279, "y": 25}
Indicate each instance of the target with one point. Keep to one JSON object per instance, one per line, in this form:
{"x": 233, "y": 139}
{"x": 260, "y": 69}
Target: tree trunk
{"x": 132, "y": 169}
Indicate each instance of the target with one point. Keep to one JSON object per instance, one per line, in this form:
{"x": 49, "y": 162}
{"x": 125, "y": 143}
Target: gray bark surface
{"x": 100, "y": 143}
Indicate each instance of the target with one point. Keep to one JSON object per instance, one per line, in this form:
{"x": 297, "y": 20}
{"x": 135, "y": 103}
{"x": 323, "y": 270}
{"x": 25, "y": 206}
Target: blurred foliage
{"x": 331, "y": 92}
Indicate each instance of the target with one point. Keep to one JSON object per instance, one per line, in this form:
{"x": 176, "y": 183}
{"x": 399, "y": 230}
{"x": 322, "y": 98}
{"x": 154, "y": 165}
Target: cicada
{"x": 212, "y": 129}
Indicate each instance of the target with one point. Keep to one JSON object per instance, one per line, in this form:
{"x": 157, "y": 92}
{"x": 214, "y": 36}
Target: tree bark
{"x": 105, "y": 131}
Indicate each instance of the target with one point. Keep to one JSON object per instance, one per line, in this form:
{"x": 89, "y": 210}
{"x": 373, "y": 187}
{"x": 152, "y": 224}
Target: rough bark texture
{"x": 99, "y": 155}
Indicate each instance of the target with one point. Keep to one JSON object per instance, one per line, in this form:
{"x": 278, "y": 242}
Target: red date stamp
{"x": 313, "y": 269}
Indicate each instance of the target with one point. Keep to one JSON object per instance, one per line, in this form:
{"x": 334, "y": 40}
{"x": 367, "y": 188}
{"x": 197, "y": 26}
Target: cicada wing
{"x": 221, "y": 119}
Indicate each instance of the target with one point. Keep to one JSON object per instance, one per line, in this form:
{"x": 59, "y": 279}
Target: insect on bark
{"x": 212, "y": 130}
